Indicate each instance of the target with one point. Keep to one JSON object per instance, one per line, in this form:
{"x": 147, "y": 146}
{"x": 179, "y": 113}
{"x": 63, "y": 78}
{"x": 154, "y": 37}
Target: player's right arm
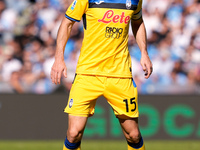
{"x": 59, "y": 66}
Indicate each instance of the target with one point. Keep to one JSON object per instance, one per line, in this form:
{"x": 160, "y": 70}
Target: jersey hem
{"x": 105, "y": 75}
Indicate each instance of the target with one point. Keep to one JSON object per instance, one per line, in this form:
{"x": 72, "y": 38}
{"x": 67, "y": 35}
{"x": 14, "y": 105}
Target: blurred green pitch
{"x": 99, "y": 145}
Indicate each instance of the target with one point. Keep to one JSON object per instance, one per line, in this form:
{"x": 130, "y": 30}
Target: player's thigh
{"x": 76, "y": 123}
{"x": 122, "y": 95}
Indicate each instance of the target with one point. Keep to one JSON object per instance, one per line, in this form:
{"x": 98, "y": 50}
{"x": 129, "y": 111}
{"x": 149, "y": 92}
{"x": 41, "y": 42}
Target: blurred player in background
{"x": 104, "y": 66}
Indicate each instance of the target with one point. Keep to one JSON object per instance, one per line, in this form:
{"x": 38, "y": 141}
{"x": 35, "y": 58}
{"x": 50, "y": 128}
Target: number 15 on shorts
{"x": 130, "y": 103}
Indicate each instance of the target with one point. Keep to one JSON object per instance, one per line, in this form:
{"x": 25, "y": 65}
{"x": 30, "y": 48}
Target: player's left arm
{"x": 139, "y": 32}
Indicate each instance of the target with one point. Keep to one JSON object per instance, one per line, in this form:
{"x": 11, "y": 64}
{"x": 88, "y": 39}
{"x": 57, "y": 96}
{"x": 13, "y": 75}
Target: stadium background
{"x": 31, "y": 106}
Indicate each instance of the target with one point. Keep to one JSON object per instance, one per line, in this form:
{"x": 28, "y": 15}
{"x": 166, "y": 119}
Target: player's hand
{"x": 146, "y": 65}
{"x": 57, "y": 70}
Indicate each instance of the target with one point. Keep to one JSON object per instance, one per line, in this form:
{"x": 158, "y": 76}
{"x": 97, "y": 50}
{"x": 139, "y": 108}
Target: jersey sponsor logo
{"x": 73, "y": 5}
{"x": 109, "y": 16}
{"x": 128, "y": 4}
{"x": 71, "y": 103}
{"x": 113, "y": 32}
{"x": 99, "y": 2}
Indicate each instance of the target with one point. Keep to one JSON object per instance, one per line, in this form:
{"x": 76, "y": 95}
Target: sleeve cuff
{"x": 137, "y": 15}
{"x": 72, "y": 19}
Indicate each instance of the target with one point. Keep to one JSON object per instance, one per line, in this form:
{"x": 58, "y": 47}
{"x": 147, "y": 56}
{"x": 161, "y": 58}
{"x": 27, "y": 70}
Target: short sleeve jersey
{"x": 105, "y": 45}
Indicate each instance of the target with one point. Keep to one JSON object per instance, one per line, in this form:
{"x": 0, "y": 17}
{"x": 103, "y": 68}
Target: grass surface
{"x": 99, "y": 145}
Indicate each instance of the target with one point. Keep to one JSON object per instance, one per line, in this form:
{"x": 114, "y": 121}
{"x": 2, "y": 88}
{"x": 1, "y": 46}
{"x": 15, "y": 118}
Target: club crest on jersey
{"x": 73, "y": 5}
{"x": 128, "y": 4}
{"x": 71, "y": 103}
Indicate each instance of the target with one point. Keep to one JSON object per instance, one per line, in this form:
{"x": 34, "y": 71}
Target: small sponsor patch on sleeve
{"x": 73, "y": 5}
